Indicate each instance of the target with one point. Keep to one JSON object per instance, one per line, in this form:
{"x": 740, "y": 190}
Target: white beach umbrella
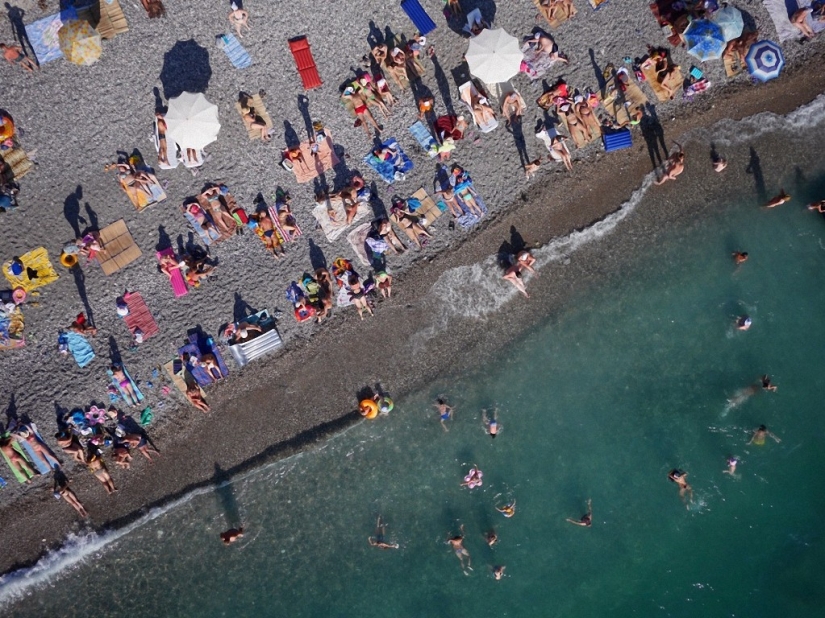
{"x": 494, "y": 56}
{"x": 192, "y": 121}
{"x": 729, "y": 19}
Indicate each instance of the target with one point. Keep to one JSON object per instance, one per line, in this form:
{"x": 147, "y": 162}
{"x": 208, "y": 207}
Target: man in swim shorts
{"x": 457, "y": 545}
{"x": 585, "y": 520}
{"x": 378, "y": 540}
{"x": 445, "y": 412}
{"x": 760, "y": 434}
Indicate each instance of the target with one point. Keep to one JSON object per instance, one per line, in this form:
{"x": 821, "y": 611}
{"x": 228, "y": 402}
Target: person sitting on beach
{"x": 513, "y": 275}
{"x": 719, "y": 163}
{"x": 239, "y": 19}
{"x": 680, "y": 478}
{"x": 378, "y": 540}
{"x": 14, "y": 54}
{"x": 193, "y": 394}
{"x": 383, "y": 281}
{"x": 445, "y": 412}
{"x": 95, "y": 465}
{"x": 125, "y": 383}
{"x": 758, "y": 437}
{"x": 61, "y": 489}
{"x": 585, "y": 520}
{"x": 526, "y": 261}
{"x": 778, "y": 200}
{"x": 231, "y": 535}
{"x": 674, "y": 166}
{"x": 81, "y": 326}
{"x": 508, "y": 509}
{"x": 457, "y": 544}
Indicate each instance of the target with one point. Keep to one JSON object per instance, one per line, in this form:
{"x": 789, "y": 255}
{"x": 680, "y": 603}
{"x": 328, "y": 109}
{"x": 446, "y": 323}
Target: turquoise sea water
{"x": 632, "y": 378}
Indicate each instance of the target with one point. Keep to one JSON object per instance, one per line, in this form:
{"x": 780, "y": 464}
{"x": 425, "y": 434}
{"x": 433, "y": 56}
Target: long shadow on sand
{"x": 185, "y": 69}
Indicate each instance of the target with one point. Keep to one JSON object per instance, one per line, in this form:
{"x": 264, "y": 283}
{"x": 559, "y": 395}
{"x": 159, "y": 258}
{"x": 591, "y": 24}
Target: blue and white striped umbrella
{"x": 765, "y": 60}
{"x": 705, "y": 40}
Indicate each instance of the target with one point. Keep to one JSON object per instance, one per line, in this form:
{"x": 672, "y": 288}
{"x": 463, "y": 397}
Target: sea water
{"x": 633, "y": 377}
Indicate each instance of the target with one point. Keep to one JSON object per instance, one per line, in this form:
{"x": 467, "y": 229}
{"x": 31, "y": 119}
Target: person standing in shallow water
{"x": 585, "y": 520}
{"x": 685, "y": 491}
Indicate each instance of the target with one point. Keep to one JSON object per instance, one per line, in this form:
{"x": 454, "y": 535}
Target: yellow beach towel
{"x": 37, "y": 261}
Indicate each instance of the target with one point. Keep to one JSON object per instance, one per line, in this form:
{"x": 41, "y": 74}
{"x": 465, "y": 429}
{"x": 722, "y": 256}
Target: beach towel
{"x": 42, "y": 35}
{"x": 313, "y": 166}
{"x": 171, "y": 151}
{"x": 112, "y": 20}
{"x": 468, "y": 219}
{"x": 139, "y": 317}
{"x": 144, "y": 195}
{"x": 121, "y": 390}
{"x": 305, "y": 62}
{"x": 618, "y": 102}
{"x": 424, "y": 138}
{"x": 357, "y": 239}
{"x": 21, "y": 475}
{"x": 37, "y": 271}
{"x": 468, "y": 93}
{"x": 233, "y": 49}
{"x": 79, "y": 347}
{"x": 182, "y": 379}
{"x": 256, "y": 103}
{"x": 195, "y": 348}
{"x": 11, "y": 328}
{"x": 44, "y": 463}
{"x": 392, "y": 169}
{"x": 427, "y": 210}
{"x": 177, "y": 281}
{"x": 118, "y": 248}
{"x": 333, "y": 229}
{"x": 285, "y": 236}
{"x": 673, "y": 80}
{"x": 207, "y": 236}
{"x": 559, "y": 17}
{"x": 536, "y": 63}
{"x": 597, "y": 4}
{"x": 423, "y": 22}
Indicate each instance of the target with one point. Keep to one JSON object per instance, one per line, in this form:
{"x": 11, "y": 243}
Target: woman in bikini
{"x": 213, "y": 196}
{"x": 95, "y": 465}
{"x": 239, "y": 19}
{"x": 125, "y": 383}
{"x": 62, "y": 490}
{"x": 384, "y": 228}
{"x": 409, "y": 223}
{"x": 253, "y": 121}
{"x": 358, "y": 296}
{"x": 577, "y": 128}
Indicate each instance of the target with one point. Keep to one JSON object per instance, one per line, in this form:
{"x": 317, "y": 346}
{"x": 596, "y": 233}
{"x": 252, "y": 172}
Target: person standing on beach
{"x": 585, "y": 520}
{"x": 685, "y": 491}
{"x": 445, "y": 412}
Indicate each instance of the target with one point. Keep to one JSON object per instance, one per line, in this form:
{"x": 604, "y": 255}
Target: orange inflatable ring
{"x": 6, "y": 127}
{"x": 368, "y": 408}
{"x": 69, "y": 260}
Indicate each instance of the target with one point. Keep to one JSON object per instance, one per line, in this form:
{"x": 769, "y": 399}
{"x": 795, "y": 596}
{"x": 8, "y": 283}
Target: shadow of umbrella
{"x": 185, "y": 69}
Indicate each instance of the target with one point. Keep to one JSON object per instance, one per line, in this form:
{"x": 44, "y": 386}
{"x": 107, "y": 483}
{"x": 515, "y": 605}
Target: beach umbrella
{"x": 192, "y": 121}
{"x": 704, "y": 40}
{"x": 765, "y": 60}
{"x": 729, "y": 19}
{"x": 79, "y": 42}
{"x": 494, "y": 56}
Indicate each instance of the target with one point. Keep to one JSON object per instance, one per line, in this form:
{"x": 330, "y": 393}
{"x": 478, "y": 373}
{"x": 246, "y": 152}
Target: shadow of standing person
{"x": 18, "y": 28}
{"x": 71, "y": 210}
{"x": 754, "y": 168}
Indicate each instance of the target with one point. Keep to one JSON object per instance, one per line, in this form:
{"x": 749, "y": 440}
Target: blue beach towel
{"x": 468, "y": 219}
{"x": 208, "y": 237}
{"x": 233, "y": 49}
{"x": 80, "y": 348}
{"x": 400, "y": 164}
{"x": 423, "y": 22}
{"x": 424, "y": 138}
{"x": 42, "y": 35}
{"x": 42, "y": 465}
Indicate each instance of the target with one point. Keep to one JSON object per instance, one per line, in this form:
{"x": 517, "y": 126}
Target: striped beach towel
{"x": 424, "y": 138}
{"x": 233, "y": 49}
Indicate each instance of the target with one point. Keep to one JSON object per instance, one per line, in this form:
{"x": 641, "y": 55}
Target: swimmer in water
{"x": 719, "y": 164}
{"x": 818, "y": 206}
{"x": 731, "y": 461}
{"x": 685, "y": 491}
{"x": 585, "y": 520}
{"x": 491, "y": 425}
{"x": 778, "y": 200}
{"x": 766, "y": 384}
{"x": 378, "y": 540}
{"x": 491, "y": 538}
{"x": 445, "y": 412}
{"x": 743, "y": 323}
{"x": 758, "y": 437}
{"x": 508, "y": 510}
{"x": 498, "y": 571}
{"x": 231, "y": 535}
{"x": 457, "y": 545}
{"x": 740, "y": 257}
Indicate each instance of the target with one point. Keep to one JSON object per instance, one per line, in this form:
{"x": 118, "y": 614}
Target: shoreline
{"x": 203, "y": 455}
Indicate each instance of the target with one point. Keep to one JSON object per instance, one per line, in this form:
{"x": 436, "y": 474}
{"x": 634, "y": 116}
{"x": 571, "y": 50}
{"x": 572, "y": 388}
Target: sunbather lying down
{"x": 252, "y": 120}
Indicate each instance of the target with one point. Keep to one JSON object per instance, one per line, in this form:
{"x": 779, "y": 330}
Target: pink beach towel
{"x": 178, "y": 284}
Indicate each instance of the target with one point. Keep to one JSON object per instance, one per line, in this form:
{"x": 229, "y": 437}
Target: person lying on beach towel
{"x": 195, "y": 269}
{"x": 406, "y": 219}
{"x": 266, "y": 230}
{"x": 252, "y": 120}
{"x": 141, "y": 186}
{"x": 576, "y": 126}
{"x": 36, "y": 448}
{"x": 16, "y": 458}
{"x": 95, "y": 465}
{"x": 61, "y": 489}
{"x": 391, "y": 163}
{"x": 217, "y": 197}
{"x": 556, "y": 11}
{"x": 357, "y": 104}
{"x": 366, "y": 87}
{"x": 125, "y": 384}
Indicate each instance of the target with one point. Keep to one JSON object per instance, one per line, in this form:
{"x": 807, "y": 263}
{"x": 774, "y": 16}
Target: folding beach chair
{"x": 305, "y": 62}
{"x": 423, "y": 22}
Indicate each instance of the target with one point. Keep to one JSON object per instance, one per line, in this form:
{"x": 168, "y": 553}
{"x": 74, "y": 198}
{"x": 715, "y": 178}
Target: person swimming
{"x": 585, "y": 520}
{"x": 732, "y": 462}
{"x": 680, "y": 478}
{"x": 231, "y": 535}
{"x": 508, "y": 510}
{"x": 498, "y": 571}
{"x": 758, "y": 437}
{"x": 743, "y": 323}
{"x": 457, "y": 545}
{"x": 491, "y": 537}
{"x": 740, "y": 257}
{"x": 766, "y": 383}
{"x": 379, "y": 540}
{"x": 491, "y": 425}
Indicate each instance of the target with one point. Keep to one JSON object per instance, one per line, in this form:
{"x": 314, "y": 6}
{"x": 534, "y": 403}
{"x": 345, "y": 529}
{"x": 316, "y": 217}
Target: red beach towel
{"x": 139, "y": 316}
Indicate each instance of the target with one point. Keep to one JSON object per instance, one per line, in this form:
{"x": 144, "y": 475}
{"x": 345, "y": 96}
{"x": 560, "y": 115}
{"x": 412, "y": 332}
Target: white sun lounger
{"x": 468, "y": 92}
